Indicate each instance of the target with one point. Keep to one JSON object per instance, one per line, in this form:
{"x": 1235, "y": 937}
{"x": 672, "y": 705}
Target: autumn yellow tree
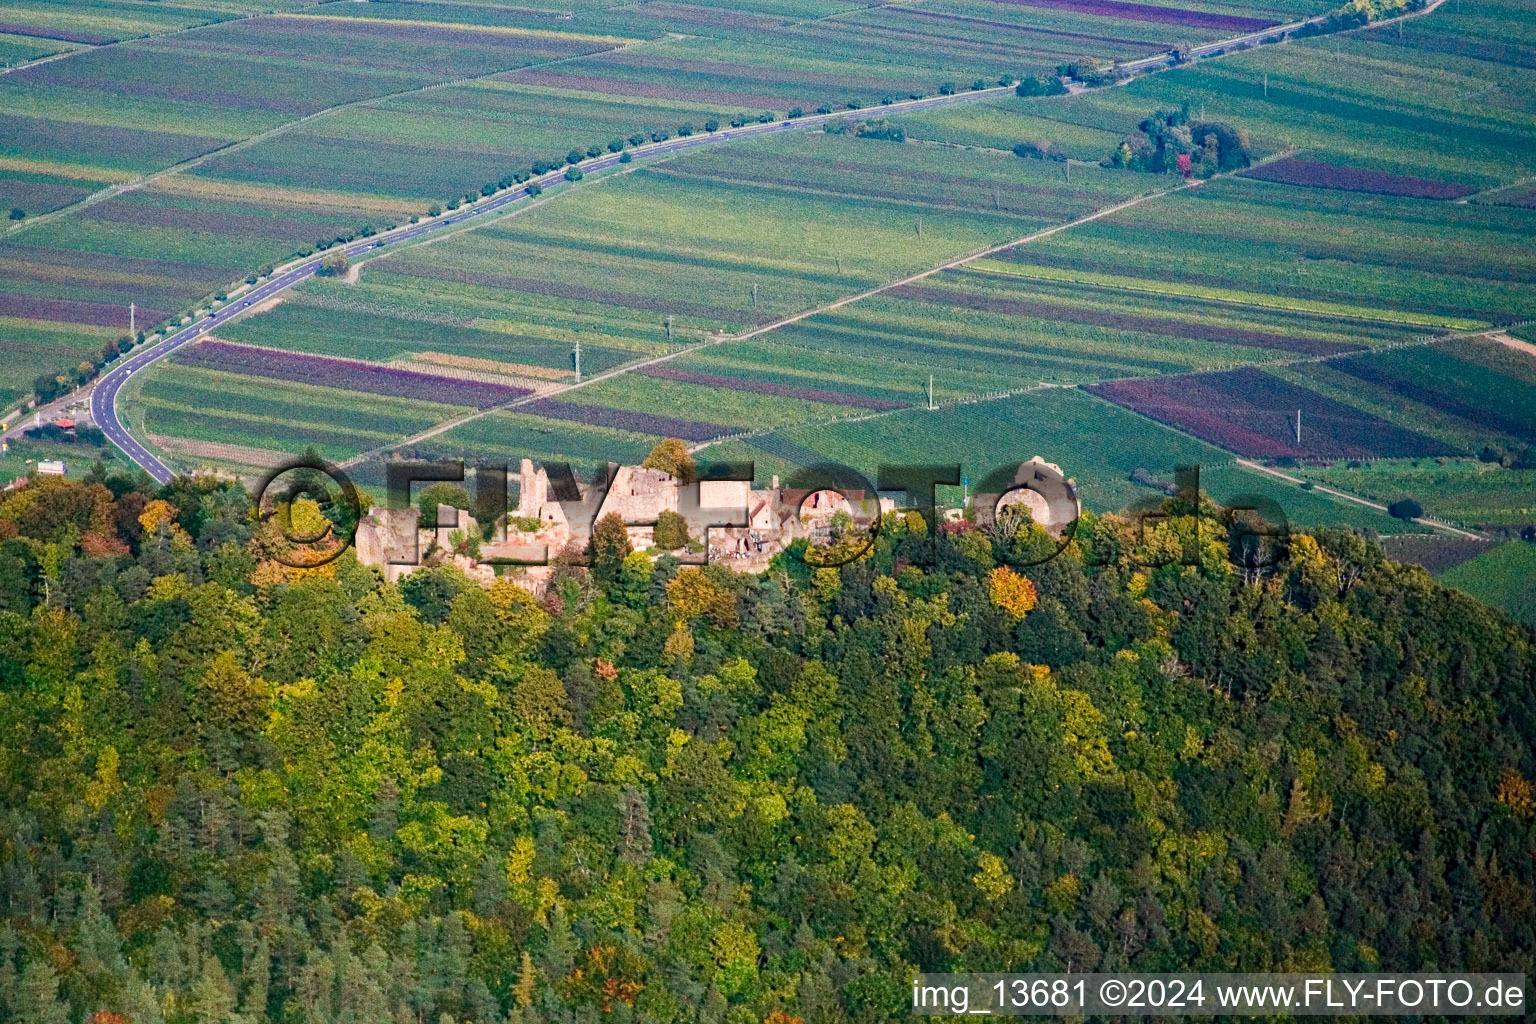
{"x": 698, "y": 592}
{"x": 1515, "y": 792}
{"x": 1011, "y": 592}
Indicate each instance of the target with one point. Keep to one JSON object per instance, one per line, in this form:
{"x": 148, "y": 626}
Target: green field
{"x": 1501, "y": 577}
{"x": 1435, "y": 266}
{"x": 718, "y": 240}
{"x": 1463, "y": 491}
{"x": 23, "y": 455}
{"x": 1472, "y": 394}
{"x": 192, "y": 406}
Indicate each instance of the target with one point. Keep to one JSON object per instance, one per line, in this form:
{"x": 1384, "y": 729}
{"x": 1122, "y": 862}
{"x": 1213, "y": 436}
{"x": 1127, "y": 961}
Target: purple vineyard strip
{"x": 620, "y": 419}
{"x": 346, "y": 374}
{"x": 1314, "y": 174}
{"x": 759, "y": 387}
{"x": 1252, "y": 413}
{"x": 61, "y": 34}
{"x": 96, "y": 314}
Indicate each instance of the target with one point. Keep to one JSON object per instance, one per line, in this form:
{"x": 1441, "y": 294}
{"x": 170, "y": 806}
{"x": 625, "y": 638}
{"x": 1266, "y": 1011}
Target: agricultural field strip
{"x": 1423, "y": 521}
{"x": 1212, "y": 294}
{"x": 290, "y": 274}
{"x": 1247, "y": 463}
{"x": 1151, "y": 63}
{"x": 112, "y": 191}
{"x": 87, "y": 47}
{"x": 1493, "y": 333}
{"x": 867, "y": 415}
{"x": 1159, "y": 60}
{"x": 1496, "y": 189}
{"x": 1328, "y": 357}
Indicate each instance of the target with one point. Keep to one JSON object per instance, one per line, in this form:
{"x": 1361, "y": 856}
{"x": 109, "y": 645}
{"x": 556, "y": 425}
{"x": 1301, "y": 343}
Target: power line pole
{"x": 578, "y": 360}
{"x": 130, "y": 320}
{"x": 930, "y": 392}
{"x": 754, "y": 294}
{"x": 1298, "y": 428}
{"x": 669, "y": 328}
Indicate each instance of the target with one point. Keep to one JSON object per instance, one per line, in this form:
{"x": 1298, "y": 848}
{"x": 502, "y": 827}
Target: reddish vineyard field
{"x": 759, "y": 387}
{"x": 95, "y": 314}
{"x": 1314, "y": 174}
{"x": 346, "y": 374}
{"x": 1252, "y": 413}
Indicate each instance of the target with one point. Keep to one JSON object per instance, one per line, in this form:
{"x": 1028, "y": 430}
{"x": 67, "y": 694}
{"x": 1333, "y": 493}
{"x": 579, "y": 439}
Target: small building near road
{"x": 52, "y": 467}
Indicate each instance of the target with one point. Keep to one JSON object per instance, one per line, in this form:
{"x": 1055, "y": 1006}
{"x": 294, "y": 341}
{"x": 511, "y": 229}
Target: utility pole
{"x": 1298, "y": 428}
{"x": 754, "y": 294}
{"x": 578, "y": 359}
{"x": 930, "y": 392}
{"x": 1266, "y": 87}
{"x": 130, "y": 320}
{"x": 669, "y": 328}
{"x": 919, "y": 227}
{"x": 839, "y": 266}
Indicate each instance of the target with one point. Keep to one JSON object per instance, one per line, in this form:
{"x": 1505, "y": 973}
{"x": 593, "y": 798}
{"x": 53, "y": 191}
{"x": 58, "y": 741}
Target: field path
{"x": 89, "y": 47}
{"x": 1509, "y": 341}
{"x": 240, "y": 145}
{"x": 1433, "y": 524}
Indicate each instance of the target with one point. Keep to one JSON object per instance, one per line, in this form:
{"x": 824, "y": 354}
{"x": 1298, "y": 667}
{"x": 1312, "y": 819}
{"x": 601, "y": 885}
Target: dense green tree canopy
{"x": 235, "y": 791}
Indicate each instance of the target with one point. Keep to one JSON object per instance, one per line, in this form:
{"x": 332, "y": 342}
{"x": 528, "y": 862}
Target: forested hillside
{"x": 238, "y": 792}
